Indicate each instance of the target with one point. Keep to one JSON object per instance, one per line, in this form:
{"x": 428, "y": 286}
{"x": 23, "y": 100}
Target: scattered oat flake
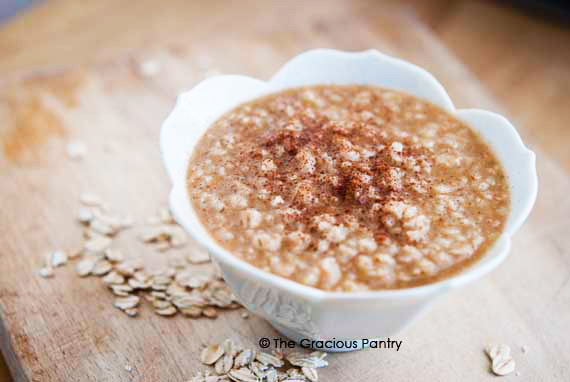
{"x": 193, "y": 278}
{"x": 74, "y": 253}
{"x": 178, "y": 238}
{"x": 58, "y": 258}
{"x": 302, "y": 360}
{"x": 113, "y": 278}
{"x": 310, "y": 373}
{"x": 161, "y": 304}
{"x": 128, "y": 368}
{"x": 121, "y": 290}
{"x": 245, "y": 315}
{"x": 76, "y": 150}
{"x": 46, "y": 272}
{"x": 501, "y": 361}
{"x": 153, "y": 234}
{"x": 164, "y": 236}
{"x": 165, "y": 216}
{"x": 244, "y": 358}
{"x": 166, "y": 311}
{"x": 198, "y": 256}
{"x": 102, "y": 267}
{"x": 230, "y": 347}
{"x": 137, "y": 284}
{"x": 141, "y": 275}
{"x": 191, "y": 311}
{"x": 86, "y": 266}
{"x": 177, "y": 262}
{"x": 99, "y": 226}
{"x": 242, "y": 375}
{"x": 192, "y": 291}
{"x": 90, "y": 200}
{"x": 97, "y": 244}
{"x": 268, "y": 359}
{"x": 114, "y": 255}
{"x": 125, "y": 303}
{"x": 210, "y": 312}
{"x": 211, "y": 354}
{"x": 494, "y": 351}
{"x": 158, "y": 294}
{"x": 250, "y": 365}
{"x": 271, "y": 375}
{"x": 224, "y": 364}
{"x": 503, "y": 366}
{"x": 85, "y": 215}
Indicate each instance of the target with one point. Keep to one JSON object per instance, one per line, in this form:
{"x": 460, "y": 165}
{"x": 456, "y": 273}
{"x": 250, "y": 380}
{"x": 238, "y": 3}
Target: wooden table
{"x": 64, "y": 330}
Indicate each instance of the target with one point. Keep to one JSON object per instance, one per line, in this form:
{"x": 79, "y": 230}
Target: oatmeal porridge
{"x": 348, "y": 188}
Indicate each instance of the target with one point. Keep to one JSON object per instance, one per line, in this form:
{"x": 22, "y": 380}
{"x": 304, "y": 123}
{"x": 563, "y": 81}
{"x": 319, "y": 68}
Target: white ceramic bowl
{"x": 298, "y": 311}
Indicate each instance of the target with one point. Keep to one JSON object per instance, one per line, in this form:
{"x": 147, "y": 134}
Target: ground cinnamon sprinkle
{"x": 348, "y": 188}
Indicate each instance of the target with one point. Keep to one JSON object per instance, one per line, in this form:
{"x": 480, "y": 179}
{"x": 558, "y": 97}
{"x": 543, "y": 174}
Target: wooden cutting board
{"x": 65, "y": 329}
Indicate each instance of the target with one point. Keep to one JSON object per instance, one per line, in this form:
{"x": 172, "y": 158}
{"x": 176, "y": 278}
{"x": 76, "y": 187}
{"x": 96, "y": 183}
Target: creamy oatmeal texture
{"x": 348, "y": 188}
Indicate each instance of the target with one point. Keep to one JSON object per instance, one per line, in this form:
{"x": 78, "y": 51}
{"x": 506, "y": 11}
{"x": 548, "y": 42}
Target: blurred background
{"x": 518, "y": 50}
{"x": 529, "y": 38}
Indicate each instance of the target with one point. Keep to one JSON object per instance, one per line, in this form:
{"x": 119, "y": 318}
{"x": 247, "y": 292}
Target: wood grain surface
{"x": 65, "y": 329}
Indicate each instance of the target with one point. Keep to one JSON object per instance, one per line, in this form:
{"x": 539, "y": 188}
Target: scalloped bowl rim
{"x": 179, "y": 198}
